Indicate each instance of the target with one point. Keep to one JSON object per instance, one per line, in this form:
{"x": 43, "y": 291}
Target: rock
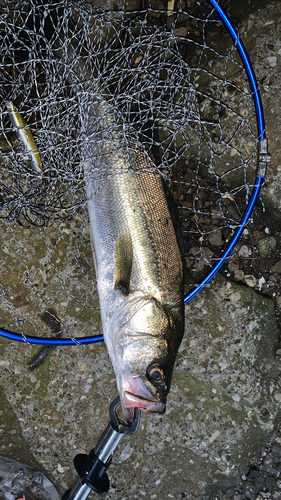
{"x": 245, "y": 251}
{"x": 250, "y": 492}
{"x": 259, "y": 481}
{"x": 239, "y": 275}
{"x": 232, "y": 212}
{"x": 258, "y": 235}
{"x": 198, "y": 258}
{"x": 250, "y": 280}
{"x": 215, "y": 238}
{"x": 233, "y": 266}
{"x": 187, "y": 204}
{"x": 261, "y": 281}
{"x": 217, "y": 215}
{"x": 126, "y": 452}
{"x": 268, "y": 464}
{"x": 266, "y": 245}
{"x": 276, "y": 449}
{"x": 270, "y": 484}
{"x": 278, "y": 302}
{"x": 272, "y": 61}
{"x": 224, "y": 349}
{"x": 181, "y": 31}
{"x": 60, "y": 469}
{"x": 253, "y": 472}
{"x": 276, "y": 268}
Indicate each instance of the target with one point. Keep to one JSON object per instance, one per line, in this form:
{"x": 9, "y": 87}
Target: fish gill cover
{"x": 175, "y": 89}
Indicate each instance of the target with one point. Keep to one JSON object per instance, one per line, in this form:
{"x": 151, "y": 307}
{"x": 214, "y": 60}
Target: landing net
{"x": 173, "y": 80}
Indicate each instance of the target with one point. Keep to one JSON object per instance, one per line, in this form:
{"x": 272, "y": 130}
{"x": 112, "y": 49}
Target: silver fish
{"x": 137, "y": 260}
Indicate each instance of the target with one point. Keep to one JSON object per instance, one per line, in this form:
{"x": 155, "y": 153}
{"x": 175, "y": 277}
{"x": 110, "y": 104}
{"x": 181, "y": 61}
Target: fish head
{"x": 144, "y": 353}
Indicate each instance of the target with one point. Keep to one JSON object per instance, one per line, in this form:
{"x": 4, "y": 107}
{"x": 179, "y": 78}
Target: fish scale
{"x": 137, "y": 258}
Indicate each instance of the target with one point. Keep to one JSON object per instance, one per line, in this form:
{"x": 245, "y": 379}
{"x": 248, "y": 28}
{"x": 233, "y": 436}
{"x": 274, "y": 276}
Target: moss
{"x": 266, "y": 245}
{"x": 42, "y": 374}
{"x": 20, "y": 296}
{"x": 74, "y": 308}
{"x": 12, "y": 270}
{"x": 40, "y": 249}
{"x": 13, "y": 445}
{"x": 6, "y": 318}
{"x": 87, "y": 314}
{"x": 199, "y": 322}
{"x": 28, "y": 328}
{"x": 60, "y": 254}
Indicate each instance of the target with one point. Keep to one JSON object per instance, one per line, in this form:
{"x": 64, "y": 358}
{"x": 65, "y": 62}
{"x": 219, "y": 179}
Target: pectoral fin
{"x": 123, "y": 263}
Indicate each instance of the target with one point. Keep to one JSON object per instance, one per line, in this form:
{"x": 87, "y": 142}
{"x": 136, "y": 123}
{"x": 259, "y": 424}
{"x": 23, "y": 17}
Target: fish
{"x": 138, "y": 262}
{"x": 25, "y": 136}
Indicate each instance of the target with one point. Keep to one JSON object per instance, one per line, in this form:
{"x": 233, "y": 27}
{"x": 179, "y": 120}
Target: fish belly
{"x": 133, "y": 202}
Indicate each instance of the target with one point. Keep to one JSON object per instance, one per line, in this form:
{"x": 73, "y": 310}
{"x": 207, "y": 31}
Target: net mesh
{"x": 175, "y": 85}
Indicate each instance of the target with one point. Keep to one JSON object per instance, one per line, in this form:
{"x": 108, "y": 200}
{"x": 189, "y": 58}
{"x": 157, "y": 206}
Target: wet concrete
{"x": 223, "y": 404}
{"x": 240, "y": 11}
{"x": 13, "y": 445}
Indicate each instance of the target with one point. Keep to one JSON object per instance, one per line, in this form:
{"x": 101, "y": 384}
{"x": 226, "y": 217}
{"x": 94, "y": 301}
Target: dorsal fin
{"x": 123, "y": 263}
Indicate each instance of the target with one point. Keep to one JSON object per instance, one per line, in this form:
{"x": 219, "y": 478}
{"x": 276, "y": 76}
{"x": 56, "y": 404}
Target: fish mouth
{"x": 131, "y": 400}
{"x": 135, "y": 394}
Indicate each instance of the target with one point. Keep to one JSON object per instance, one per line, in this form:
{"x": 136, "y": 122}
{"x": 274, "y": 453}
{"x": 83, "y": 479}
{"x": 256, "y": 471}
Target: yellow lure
{"x": 25, "y": 136}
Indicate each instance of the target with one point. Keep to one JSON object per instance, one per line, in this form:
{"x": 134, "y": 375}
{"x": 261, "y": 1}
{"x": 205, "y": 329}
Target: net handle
{"x": 248, "y": 212}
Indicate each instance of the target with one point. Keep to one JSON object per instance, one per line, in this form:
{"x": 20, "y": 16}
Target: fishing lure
{"x": 26, "y": 137}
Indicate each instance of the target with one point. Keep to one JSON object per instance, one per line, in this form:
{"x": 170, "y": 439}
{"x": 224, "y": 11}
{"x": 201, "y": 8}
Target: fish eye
{"x": 155, "y": 374}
